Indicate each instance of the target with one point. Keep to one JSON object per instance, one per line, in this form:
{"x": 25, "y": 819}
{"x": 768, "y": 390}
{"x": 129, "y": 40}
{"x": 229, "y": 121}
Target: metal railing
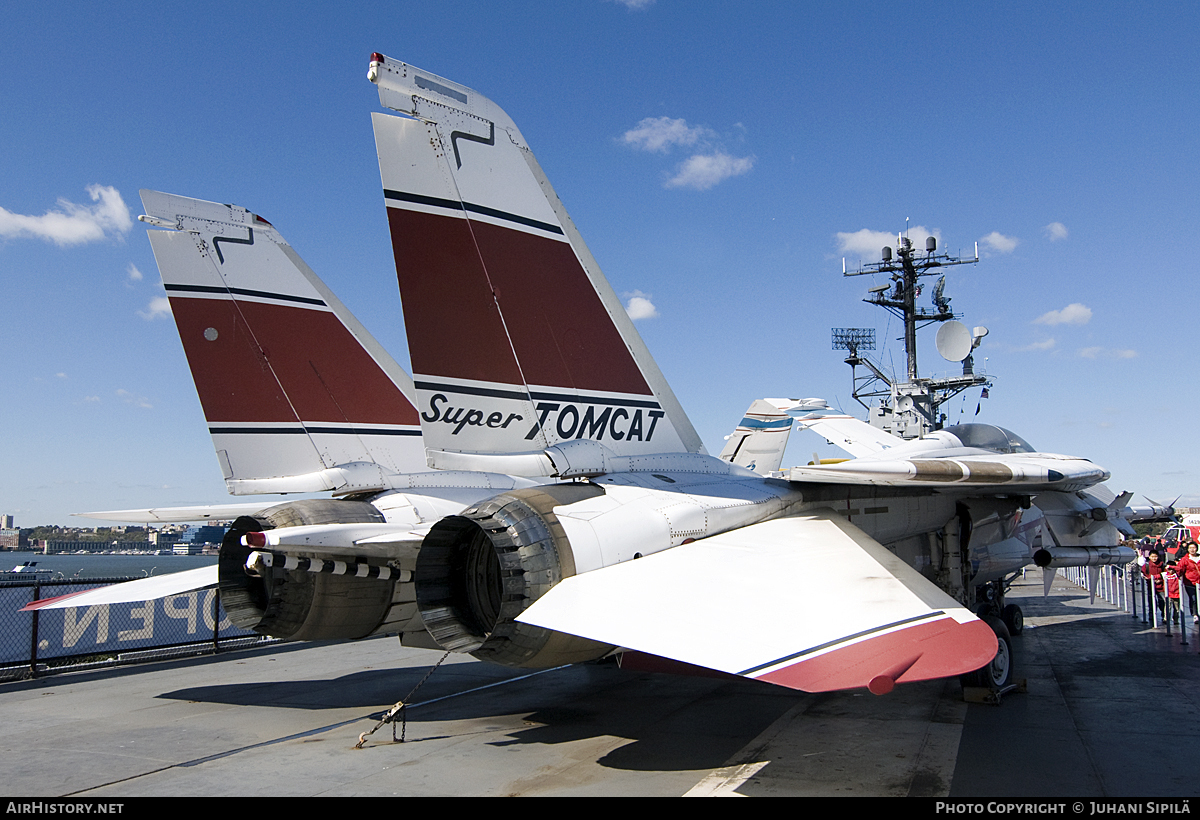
{"x": 1127, "y": 588}
{"x": 56, "y": 640}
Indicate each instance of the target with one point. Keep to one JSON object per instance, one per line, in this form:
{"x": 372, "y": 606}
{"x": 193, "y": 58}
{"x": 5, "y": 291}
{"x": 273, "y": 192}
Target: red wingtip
{"x": 44, "y": 602}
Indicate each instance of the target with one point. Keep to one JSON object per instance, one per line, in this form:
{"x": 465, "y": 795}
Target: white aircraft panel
{"x": 809, "y": 602}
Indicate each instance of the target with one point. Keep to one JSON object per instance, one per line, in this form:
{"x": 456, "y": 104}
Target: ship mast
{"x": 910, "y": 408}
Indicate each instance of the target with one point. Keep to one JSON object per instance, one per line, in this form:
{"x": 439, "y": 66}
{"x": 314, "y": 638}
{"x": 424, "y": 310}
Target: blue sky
{"x": 719, "y": 159}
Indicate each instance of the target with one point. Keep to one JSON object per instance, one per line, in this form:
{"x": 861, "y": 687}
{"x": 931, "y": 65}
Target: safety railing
{"x": 54, "y": 640}
{"x": 1127, "y": 588}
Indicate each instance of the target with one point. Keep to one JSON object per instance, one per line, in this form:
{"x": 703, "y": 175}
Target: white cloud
{"x": 635, "y": 5}
{"x": 159, "y": 308}
{"x": 870, "y": 243}
{"x": 660, "y": 133}
{"x": 72, "y": 224}
{"x": 1072, "y": 314}
{"x": 135, "y": 275}
{"x": 703, "y": 171}
{"x": 1048, "y": 344}
{"x": 999, "y": 242}
{"x": 1055, "y": 231}
{"x": 130, "y": 398}
{"x": 1108, "y": 353}
{"x": 639, "y": 306}
{"x": 710, "y": 163}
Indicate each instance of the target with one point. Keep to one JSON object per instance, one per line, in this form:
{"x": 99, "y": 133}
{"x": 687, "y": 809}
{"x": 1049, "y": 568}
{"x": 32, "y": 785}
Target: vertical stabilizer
{"x": 297, "y": 394}
{"x": 760, "y": 438}
{"x": 517, "y": 340}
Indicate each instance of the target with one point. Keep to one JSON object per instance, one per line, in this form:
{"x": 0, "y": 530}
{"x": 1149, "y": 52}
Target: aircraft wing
{"x": 853, "y": 435}
{"x": 809, "y": 602}
{"x": 179, "y": 515}
{"x": 329, "y": 548}
{"x": 143, "y": 589}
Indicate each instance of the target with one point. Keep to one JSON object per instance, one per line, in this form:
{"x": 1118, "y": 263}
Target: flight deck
{"x": 1110, "y": 711}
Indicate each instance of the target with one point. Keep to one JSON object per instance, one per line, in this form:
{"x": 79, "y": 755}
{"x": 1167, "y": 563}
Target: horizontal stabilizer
{"x": 180, "y": 515}
{"x": 809, "y": 602}
{"x": 853, "y": 435}
{"x": 143, "y": 589}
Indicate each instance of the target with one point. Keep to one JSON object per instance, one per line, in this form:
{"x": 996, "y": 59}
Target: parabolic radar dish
{"x": 954, "y": 341}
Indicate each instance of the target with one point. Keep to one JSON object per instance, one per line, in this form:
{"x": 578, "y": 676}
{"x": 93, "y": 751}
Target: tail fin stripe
{"x": 762, "y": 424}
{"x": 366, "y": 431}
{"x": 472, "y": 391}
{"x": 356, "y": 431}
{"x": 590, "y": 399}
{"x": 262, "y": 294}
{"x": 455, "y": 205}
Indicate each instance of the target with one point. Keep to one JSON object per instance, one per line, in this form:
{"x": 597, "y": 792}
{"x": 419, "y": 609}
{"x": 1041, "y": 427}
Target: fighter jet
{"x": 606, "y": 526}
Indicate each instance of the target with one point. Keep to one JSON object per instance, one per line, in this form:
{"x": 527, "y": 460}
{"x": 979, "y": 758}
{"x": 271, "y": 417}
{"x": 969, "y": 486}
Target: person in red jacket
{"x": 1189, "y": 570}
{"x": 1170, "y": 576}
{"x": 1152, "y": 571}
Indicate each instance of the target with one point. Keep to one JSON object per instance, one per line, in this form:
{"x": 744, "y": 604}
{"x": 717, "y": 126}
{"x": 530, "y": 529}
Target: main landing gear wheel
{"x": 1013, "y": 618}
{"x": 999, "y": 673}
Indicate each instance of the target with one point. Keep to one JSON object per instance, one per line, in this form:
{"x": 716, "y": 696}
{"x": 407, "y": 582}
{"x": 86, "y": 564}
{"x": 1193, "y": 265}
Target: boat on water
{"x": 26, "y": 571}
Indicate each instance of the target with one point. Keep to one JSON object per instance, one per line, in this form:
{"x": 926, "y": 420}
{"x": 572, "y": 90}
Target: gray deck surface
{"x": 1111, "y": 710}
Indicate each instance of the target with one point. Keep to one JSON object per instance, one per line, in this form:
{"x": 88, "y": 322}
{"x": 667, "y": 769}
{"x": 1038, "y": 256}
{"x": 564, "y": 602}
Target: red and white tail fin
{"x": 517, "y": 340}
{"x": 298, "y": 396}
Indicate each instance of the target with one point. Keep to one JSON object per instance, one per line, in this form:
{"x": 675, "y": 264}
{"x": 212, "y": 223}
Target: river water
{"x": 106, "y": 566}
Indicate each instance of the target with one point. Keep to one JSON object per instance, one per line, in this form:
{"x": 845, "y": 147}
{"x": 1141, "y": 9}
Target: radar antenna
{"x": 909, "y": 408}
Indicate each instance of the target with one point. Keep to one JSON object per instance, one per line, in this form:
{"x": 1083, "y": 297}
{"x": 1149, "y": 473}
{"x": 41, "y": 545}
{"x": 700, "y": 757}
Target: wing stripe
{"x": 843, "y": 640}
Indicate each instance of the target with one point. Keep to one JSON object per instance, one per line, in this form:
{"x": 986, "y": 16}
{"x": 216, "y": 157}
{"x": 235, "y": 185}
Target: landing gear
{"x": 998, "y": 674}
{"x": 990, "y": 598}
{"x": 1013, "y": 619}
{"x": 988, "y": 684}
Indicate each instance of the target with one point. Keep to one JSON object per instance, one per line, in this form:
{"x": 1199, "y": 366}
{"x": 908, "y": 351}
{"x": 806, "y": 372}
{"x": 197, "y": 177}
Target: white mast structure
{"x": 910, "y": 408}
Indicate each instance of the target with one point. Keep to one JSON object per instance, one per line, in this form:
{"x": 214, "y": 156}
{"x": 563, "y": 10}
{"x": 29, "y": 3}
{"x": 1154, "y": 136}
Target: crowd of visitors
{"x": 1169, "y": 567}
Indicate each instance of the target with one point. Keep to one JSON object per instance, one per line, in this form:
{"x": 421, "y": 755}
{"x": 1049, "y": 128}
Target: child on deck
{"x": 1171, "y": 577}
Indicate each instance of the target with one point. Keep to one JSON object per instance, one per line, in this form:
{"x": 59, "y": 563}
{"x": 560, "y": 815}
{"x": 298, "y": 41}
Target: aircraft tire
{"x": 999, "y": 673}
{"x": 1013, "y": 618}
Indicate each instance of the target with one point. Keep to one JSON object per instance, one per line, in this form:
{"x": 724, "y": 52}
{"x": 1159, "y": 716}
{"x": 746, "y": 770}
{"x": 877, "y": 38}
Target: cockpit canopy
{"x": 990, "y": 437}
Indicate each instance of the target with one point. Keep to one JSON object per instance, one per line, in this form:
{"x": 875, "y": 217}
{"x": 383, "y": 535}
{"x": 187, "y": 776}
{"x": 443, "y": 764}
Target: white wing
{"x": 809, "y": 602}
{"x": 143, "y": 589}
{"x": 853, "y": 435}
